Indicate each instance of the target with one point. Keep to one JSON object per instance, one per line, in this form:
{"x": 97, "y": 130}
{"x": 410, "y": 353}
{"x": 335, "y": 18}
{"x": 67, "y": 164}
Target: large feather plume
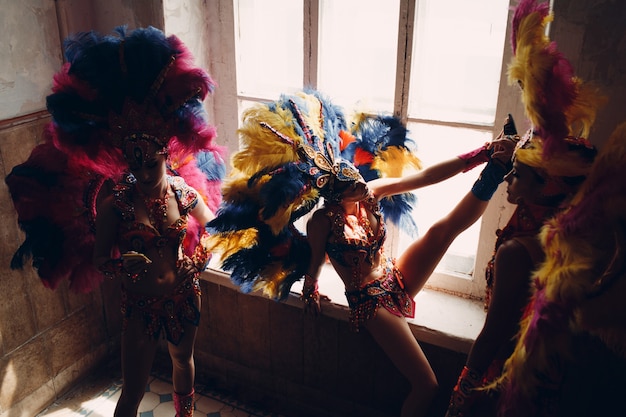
{"x": 269, "y": 188}
{"x": 56, "y": 212}
{"x": 379, "y": 147}
{"x": 275, "y": 181}
{"x": 558, "y": 104}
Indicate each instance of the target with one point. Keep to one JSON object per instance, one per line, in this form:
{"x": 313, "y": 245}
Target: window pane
{"x": 436, "y": 144}
{"x": 357, "y": 52}
{"x": 268, "y": 47}
{"x": 457, "y": 56}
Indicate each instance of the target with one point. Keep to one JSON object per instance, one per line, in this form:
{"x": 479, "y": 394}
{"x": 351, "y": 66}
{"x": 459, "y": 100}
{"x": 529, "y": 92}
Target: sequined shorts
{"x": 386, "y": 292}
{"x": 169, "y": 312}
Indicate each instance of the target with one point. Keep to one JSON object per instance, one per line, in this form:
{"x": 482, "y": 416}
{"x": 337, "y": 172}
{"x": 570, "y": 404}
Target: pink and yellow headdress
{"x": 560, "y": 107}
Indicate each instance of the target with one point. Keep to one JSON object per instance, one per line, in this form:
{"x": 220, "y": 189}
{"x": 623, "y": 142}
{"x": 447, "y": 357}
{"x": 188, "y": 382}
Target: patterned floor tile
{"x": 98, "y": 399}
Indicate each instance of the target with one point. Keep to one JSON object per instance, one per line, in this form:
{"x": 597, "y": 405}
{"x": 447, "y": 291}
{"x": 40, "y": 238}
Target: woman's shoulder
{"x": 321, "y": 214}
{"x": 519, "y": 251}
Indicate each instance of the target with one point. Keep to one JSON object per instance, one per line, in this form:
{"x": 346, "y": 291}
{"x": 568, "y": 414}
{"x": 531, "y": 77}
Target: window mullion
{"x": 311, "y": 42}
{"x": 405, "y": 52}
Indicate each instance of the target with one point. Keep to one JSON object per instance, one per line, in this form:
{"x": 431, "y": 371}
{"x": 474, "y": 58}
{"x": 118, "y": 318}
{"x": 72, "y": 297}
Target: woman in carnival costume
{"x": 128, "y": 126}
{"x": 549, "y": 167}
{"x": 297, "y": 150}
{"x": 570, "y": 355}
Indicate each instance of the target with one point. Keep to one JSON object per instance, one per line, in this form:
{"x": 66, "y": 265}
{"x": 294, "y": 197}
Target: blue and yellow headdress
{"x": 290, "y": 157}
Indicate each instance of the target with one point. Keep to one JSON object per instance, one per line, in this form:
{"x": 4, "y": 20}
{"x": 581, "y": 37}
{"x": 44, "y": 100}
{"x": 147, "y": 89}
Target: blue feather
{"x": 213, "y": 168}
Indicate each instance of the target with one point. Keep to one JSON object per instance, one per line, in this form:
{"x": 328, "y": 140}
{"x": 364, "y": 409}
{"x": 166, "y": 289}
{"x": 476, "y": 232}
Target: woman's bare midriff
{"x": 153, "y": 283}
{"x": 367, "y": 274}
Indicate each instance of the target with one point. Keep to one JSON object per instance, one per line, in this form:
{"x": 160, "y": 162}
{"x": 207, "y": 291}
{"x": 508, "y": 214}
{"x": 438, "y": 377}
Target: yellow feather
{"x": 260, "y": 147}
{"x": 272, "y": 278}
{"x": 280, "y": 220}
{"x": 312, "y": 116}
{"x": 393, "y": 161}
{"x": 227, "y": 243}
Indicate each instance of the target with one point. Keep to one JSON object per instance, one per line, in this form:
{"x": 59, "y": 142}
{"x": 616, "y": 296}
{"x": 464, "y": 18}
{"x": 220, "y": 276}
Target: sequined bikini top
{"x": 138, "y": 236}
{"x": 344, "y": 249}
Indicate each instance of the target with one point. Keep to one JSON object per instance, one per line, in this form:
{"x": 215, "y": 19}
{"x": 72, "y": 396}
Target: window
{"x": 436, "y": 64}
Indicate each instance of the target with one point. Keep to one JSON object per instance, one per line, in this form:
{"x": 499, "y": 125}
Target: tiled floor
{"x": 97, "y": 398}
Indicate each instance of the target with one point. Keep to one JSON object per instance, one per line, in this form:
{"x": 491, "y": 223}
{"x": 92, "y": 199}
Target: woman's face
{"x": 147, "y": 162}
{"x": 151, "y": 172}
{"x": 355, "y": 191}
{"x": 524, "y": 184}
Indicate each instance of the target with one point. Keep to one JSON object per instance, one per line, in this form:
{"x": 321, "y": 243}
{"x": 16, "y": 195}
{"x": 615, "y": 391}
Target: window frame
{"x": 225, "y": 105}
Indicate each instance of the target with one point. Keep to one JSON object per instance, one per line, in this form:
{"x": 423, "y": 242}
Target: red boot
{"x": 183, "y": 404}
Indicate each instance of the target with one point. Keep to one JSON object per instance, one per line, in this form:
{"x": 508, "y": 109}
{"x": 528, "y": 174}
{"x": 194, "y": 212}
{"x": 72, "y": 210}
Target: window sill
{"x": 441, "y": 319}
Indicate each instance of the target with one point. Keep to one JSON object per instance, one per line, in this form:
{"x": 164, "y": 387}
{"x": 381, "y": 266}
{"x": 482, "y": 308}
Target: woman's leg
{"x": 138, "y": 350}
{"x": 183, "y": 368}
{"x": 393, "y": 335}
{"x": 421, "y": 258}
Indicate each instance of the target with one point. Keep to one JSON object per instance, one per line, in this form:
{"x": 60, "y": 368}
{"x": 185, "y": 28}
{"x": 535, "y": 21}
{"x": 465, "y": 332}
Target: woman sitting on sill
{"x": 286, "y": 163}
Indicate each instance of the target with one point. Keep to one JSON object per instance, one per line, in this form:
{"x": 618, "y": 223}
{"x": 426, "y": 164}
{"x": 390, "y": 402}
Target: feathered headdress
{"x": 116, "y": 90}
{"x": 558, "y": 104}
{"x": 290, "y": 156}
{"x": 115, "y": 95}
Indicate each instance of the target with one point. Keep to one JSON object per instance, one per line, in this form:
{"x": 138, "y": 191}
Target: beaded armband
{"x": 474, "y": 158}
{"x": 310, "y": 292}
{"x": 489, "y": 180}
{"x": 112, "y": 268}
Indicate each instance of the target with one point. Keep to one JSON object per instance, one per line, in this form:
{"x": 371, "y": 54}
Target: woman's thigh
{"x": 393, "y": 335}
{"x": 138, "y": 352}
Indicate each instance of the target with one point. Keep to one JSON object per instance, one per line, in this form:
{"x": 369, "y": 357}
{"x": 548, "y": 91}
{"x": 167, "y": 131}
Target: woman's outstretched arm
{"x": 441, "y": 171}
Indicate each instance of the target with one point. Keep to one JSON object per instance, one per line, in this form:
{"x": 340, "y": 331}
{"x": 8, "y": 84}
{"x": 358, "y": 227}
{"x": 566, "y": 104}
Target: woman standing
{"x": 539, "y": 193}
{"x": 127, "y": 119}
{"x": 145, "y": 220}
{"x": 549, "y": 167}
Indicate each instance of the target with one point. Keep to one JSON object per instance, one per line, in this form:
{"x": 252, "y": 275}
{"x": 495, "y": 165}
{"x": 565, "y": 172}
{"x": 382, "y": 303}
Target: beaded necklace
{"x": 156, "y": 208}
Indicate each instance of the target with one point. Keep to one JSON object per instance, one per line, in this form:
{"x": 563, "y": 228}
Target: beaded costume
{"x": 168, "y": 312}
{"x": 136, "y": 236}
{"x": 388, "y": 291}
{"x": 352, "y": 251}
